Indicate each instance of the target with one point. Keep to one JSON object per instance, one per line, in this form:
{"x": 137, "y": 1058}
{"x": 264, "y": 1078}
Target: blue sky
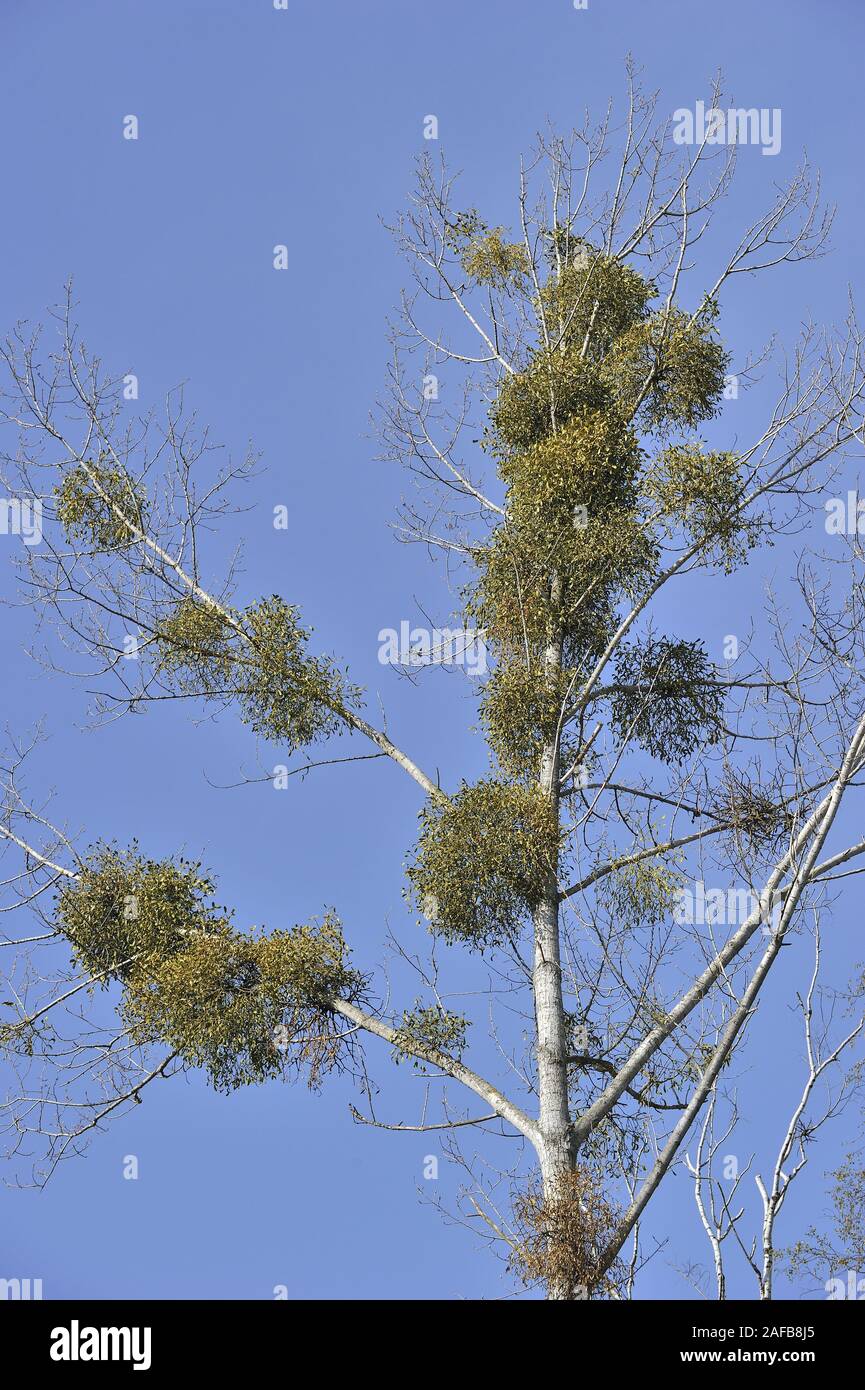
{"x": 300, "y": 127}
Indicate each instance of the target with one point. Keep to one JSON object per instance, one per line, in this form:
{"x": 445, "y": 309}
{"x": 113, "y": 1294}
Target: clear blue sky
{"x": 260, "y": 127}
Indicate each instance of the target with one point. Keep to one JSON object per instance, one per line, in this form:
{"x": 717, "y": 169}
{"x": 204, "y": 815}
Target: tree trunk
{"x": 557, "y": 1144}
{"x": 556, "y": 1150}
{"x": 768, "y": 1271}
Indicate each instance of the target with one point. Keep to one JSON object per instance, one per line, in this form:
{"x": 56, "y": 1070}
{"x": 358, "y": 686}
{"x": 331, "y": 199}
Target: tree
{"x": 624, "y": 761}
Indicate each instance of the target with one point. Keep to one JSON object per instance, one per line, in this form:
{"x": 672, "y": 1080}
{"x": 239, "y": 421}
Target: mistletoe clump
{"x": 594, "y": 301}
{"x": 561, "y": 1238}
{"x": 247, "y": 1007}
{"x": 588, "y": 306}
{"x": 243, "y": 1007}
{"x": 668, "y": 371}
{"x": 124, "y": 911}
{"x": 759, "y": 814}
{"x": 666, "y": 697}
{"x": 484, "y": 861}
{"x": 195, "y": 643}
{"x": 258, "y": 657}
{"x": 641, "y": 894}
{"x": 702, "y": 492}
{"x": 553, "y": 386}
{"x": 516, "y": 603}
{"x": 483, "y": 253}
{"x": 586, "y": 514}
{"x": 430, "y": 1030}
{"x": 285, "y": 693}
{"x": 489, "y": 260}
{"x": 100, "y": 504}
{"x": 522, "y": 709}
{"x": 591, "y": 461}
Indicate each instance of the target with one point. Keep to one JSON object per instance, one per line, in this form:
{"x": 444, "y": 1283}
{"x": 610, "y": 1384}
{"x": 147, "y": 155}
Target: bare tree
{"x": 715, "y": 1203}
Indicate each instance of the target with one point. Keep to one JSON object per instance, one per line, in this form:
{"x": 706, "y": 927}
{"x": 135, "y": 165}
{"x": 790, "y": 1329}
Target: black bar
{"x": 280, "y": 1337}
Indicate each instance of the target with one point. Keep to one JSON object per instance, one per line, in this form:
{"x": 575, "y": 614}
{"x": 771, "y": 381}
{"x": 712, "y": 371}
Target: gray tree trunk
{"x": 556, "y": 1150}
